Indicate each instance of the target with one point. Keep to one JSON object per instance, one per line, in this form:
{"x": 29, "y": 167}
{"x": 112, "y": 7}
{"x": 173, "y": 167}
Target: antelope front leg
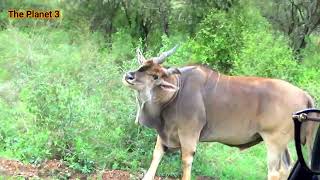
{"x": 188, "y": 143}
{"x": 187, "y": 158}
{"x": 157, "y": 156}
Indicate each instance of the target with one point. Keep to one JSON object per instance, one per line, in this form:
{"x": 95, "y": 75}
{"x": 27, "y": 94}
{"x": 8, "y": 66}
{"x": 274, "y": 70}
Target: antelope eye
{"x": 155, "y": 77}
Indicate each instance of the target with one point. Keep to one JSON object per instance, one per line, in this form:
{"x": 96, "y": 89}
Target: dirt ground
{"x": 56, "y": 169}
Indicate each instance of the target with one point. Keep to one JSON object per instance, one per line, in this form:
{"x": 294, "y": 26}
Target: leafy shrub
{"x": 122, "y": 46}
{"x": 311, "y": 53}
{"x": 219, "y": 40}
{"x": 308, "y": 79}
{"x": 310, "y": 68}
{"x": 77, "y": 108}
{"x": 265, "y": 55}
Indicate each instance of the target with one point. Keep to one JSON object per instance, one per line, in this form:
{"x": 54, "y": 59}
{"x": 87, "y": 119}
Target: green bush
{"x": 310, "y": 68}
{"x": 265, "y": 55}
{"x": 219, "y": 40}
{"x": 78, "y": 105}
{"x": 311, "y": 54}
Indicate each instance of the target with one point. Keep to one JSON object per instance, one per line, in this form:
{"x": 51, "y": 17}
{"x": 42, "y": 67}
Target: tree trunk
{"x": 164, "y": 15}
{"x": 126, "y": 11}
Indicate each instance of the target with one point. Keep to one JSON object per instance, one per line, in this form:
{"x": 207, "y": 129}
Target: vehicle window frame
{"x": 315, "y": 160}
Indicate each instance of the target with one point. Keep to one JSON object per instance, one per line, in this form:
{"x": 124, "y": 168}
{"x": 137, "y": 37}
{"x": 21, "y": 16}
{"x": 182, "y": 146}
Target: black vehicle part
{"x": 301, "y": 170}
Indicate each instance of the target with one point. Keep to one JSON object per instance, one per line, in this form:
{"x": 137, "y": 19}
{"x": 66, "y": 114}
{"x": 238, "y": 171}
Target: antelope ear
{"x": 171, "y": 71}
{"x": 168, "y": 86}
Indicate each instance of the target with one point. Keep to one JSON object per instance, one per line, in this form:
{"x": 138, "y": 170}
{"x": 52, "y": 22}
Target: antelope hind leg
{"x": 279, "y": 160}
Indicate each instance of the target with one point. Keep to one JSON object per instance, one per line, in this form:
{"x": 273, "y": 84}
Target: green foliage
{"x": 310, "y": 71}
{"x": 308, "y": 79}
{"x": 18, "y": 138}
{"x": 74, "y": 113}
{"x": 122, "y": 46}
{"x": 311, "y": 53}
{"x": 268, "y": 54}
{"x": 264, "y": 53}
{"x": 219, "y": 40}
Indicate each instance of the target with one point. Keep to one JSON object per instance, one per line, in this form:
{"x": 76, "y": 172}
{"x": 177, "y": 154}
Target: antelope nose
{"x": 130, "y": 76}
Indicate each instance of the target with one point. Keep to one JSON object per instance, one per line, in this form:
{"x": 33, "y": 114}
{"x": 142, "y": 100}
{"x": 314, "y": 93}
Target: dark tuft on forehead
{"x": 146, "y": 65}
{"x": 144, "y": 68}
{"x": 151, "y": 66}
